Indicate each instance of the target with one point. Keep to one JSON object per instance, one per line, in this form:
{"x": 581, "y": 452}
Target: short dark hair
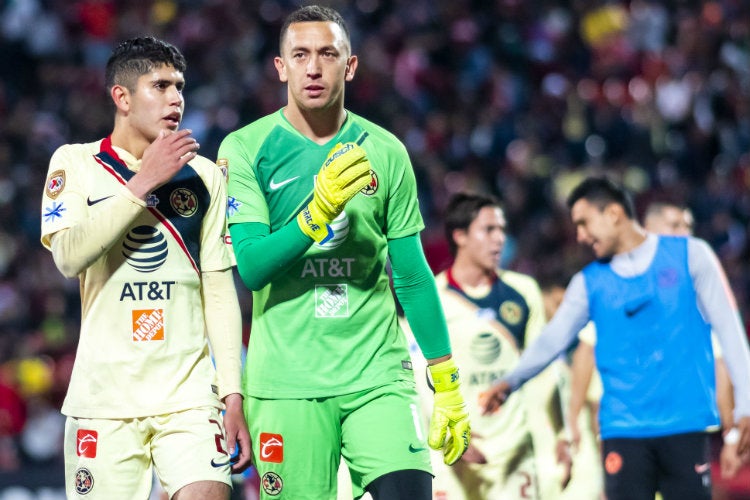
{"x": 460, "y": 212}
{"x": 312, "y": 13}
{"x": 138, "y": 56}
{"x": 657, "y": 207}
{"x": 601, "y": 191}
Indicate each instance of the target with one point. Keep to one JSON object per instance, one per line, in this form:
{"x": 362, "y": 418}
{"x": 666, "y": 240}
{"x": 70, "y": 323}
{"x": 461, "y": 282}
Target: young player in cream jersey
{"x": 140, "y": 219}
{"x": 491, "y": 314}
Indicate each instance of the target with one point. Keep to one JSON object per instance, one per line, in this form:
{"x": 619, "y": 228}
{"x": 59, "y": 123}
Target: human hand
{"x": 162, "y": 159}
{"x": 565, "y": 460}
{"x": 344, "y": 173}
{"x": 743, "y": 425}
{"x": 493, "y": 398}
{"x": 472, "y": 454}
{"x": 237, "y": 433}
{"x": 449, "y": 425}
{"x": 729, "y": 461}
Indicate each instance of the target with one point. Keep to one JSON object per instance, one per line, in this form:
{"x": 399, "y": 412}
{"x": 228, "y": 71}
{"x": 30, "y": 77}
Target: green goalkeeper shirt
{"x": 326, "y": 324}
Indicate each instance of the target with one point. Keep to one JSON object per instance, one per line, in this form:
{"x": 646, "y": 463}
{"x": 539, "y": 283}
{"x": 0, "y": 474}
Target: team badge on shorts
{"x": 613, "y": 462}
{"x": 272, "y": 483}
{"x": 84, "y": 481}
{"x": 184, "y": 202}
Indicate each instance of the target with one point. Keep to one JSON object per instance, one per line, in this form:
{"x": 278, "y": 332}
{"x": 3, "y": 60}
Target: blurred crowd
{"x": 518, "y": 98}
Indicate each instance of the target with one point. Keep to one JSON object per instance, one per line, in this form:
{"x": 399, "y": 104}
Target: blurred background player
{"x": 648, "y": 296}
{"x": 586, "y": 475}
{"x": 660, "y": 217}
{"x": 492, "y": 314}
{"x": 140, "y": 219}
{"x": 328, "y": 372}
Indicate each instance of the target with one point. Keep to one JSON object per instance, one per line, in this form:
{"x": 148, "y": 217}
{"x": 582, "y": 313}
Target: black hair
{"x": 138, "y": 56}
{"x": 313, "y": 13}
{"x": 461, "y": 211}
{"x": 601, "y": 191}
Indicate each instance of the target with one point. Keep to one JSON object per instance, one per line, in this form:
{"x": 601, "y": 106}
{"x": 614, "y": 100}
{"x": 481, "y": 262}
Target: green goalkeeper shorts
{"x": 298, "y": 443}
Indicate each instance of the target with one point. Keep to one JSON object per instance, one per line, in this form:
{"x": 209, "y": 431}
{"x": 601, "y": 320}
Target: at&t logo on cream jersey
{"x": 145, "y": 248}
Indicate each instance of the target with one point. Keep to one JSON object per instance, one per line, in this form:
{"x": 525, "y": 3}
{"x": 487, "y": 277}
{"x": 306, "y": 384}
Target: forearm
{"x": 557, "y": 335}
{"x": 717, "y": 302}
{"x": 224, "y": 328}
{"x": 580, "y": 378}
{"x": 262, "y": 255}
{"x": 76, "y": 248}
{"x": 724, "y": 397}
{"x": 415, "y": 289}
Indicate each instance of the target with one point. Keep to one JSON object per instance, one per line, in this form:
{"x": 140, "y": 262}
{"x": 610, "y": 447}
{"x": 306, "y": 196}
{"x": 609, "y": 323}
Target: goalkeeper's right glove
{"x": 344, "y": 173}
{"x": 449, "y": 425}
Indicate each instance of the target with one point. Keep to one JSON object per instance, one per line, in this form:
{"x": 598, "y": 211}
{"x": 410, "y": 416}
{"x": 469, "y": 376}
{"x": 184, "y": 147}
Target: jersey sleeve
{"x": 215, "y": 254}
{"x": 246, "y": 202}
{"x": 63, "y": 200}
{"x": 403, "y": 217}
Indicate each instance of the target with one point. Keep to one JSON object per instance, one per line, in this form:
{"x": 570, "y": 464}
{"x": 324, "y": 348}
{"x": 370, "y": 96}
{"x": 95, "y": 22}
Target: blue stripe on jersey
{"x": 504, "y": 304}
{"x": 188, "y": 227}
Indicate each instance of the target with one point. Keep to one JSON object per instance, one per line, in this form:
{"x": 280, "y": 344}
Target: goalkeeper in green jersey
{"x": 319, "y": 200}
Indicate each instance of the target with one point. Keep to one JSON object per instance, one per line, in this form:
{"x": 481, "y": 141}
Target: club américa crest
{"x": 83, "y": 481}
{"x": 271, "y": 483}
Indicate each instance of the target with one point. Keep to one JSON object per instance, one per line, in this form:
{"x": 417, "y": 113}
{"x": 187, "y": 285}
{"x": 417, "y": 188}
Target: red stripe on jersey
{"x": 106, "y": 147}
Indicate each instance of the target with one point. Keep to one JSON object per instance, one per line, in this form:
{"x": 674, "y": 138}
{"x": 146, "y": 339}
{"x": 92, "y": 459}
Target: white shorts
{"x": 112, "y": 459}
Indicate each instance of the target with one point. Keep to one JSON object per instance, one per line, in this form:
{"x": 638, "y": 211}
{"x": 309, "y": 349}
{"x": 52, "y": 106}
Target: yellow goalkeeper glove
{"x": 344, "y": 173}
{"x": 449, "y": 425}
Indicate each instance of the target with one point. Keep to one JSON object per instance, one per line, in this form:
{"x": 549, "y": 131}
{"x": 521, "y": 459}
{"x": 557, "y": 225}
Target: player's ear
{"x": 459, "y": 237}
{"x": 120, "y": 96}
{"x": 351, "y": 68}
{"x": 615, "y": 212}
{"x": 278, "y": 62}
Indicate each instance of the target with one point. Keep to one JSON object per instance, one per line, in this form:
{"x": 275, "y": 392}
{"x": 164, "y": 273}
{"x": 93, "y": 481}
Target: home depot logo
{"x": 148, "y": 324}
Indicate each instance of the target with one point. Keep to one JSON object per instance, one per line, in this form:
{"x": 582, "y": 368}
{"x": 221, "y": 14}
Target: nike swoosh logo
{"x": 632, "y": 312}
{"x": 416, "y": 449}
{"x": 276, "y": 185}
{"x": 91, "y": 202}
{"x": 702, "y": 468}
{"x": 231, "y": 461}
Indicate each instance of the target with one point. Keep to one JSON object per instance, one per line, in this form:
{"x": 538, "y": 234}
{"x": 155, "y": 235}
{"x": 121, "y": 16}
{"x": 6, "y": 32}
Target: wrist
{"x": 732, "y": 437}
{"x": 314, "y": 226}
{"x": 444, "y": 375}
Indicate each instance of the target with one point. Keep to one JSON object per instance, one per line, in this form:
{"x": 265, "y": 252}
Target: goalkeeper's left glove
{"x": 344, "y": 173}
{"x": 449, "y": 425}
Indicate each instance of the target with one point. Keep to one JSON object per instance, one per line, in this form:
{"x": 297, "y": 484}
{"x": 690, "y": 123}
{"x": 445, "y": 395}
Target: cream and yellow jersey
{"x": 487, "y": 329}
{"x": 143, "y": 348}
